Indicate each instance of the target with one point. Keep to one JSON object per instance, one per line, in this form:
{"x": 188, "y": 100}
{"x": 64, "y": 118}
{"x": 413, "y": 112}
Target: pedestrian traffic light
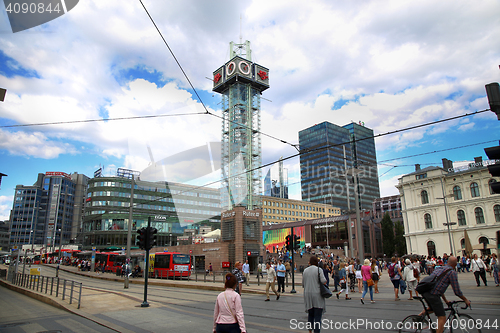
{"x": 296, "y": 242}
{"x": 494, "y": 169}
{"x": 141, "y": 238}
{"x": 288, "y": 242}
{"x": 151, "y": 238}
{"x": 493, "y": 93}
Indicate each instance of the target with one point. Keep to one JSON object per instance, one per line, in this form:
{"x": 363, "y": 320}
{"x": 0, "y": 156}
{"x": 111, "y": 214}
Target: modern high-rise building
{"x": 48, "y": 210}
{"x": 327, "y": 151}
{"x": 276, "y": 181}
{"x": 241, "y": 82}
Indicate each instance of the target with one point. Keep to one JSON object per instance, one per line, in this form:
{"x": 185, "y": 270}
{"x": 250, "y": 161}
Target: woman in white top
{"x": 479, "y": 269}
{"x": 375, "y": 275}
{"x": 359, "y": 277}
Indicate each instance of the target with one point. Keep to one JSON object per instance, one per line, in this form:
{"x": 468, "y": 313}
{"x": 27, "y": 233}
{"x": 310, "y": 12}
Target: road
{"x": 191, "y": 310}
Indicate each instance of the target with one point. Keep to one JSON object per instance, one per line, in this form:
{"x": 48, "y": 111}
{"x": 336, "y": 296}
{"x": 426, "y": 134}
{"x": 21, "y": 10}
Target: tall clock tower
{"x": 241, "y": 82}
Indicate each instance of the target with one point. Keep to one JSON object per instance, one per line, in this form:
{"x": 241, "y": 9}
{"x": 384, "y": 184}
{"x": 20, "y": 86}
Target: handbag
{"x": 428, "y": 283}
{"x": 370, "y": 282}
{"x": 325, "y": 292}
{"x": 481, "y": 269}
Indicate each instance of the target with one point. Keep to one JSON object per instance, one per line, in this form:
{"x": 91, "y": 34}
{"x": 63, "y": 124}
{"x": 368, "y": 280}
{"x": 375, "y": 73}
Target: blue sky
{"x": 390, "y": 64}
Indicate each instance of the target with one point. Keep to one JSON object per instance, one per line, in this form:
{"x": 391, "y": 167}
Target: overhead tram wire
{"x": 196, "y": 92}
{"x": 341, "y": 144}
{"x": 102, "y": 120}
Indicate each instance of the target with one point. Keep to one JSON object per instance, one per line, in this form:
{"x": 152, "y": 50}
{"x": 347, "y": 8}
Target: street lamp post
{"x": 448, "y": 223}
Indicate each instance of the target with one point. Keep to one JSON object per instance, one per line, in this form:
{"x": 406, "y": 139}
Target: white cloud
{"x": 5, "y": 207}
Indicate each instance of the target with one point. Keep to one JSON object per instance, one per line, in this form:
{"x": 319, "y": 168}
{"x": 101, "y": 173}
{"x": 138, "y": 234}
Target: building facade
{"x": 48, "y": 213}
{"x": 443, "y": 204}
{"x": 327, "y": 150}
{"x": 390, "y": 205}
{"x": 278, "y": 210}
{"x": 276, "y": 181}
{"x": 173, "y": 207}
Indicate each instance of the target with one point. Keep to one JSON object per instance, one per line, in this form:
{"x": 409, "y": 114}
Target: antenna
{"x": 241, "y": 37}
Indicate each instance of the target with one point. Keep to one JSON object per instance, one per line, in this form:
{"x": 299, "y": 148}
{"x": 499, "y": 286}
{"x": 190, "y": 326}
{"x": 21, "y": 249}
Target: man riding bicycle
{"x": 433, "y": 297}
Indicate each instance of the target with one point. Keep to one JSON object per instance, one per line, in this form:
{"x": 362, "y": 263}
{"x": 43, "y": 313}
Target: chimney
{"x": 417, "y": 167}
{"x": 478, "y": 161}
{"x": 447, "y": 164}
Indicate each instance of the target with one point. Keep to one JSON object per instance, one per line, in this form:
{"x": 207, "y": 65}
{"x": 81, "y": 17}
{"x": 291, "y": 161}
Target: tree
{"x": 399, "y": 240}
{"x": 388, "y": 235}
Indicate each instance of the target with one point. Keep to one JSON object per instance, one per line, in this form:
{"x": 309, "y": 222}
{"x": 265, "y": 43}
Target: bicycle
{"x": 455, "y": 322}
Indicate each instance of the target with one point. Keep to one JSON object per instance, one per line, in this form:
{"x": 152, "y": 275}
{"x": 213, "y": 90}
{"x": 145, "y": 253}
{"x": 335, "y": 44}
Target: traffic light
{"x": 151, "y": 238}
{"x": 288, "y": 242}
{"x": 494, "y": 169}
{"x": 296, "y": 242}
{"x": 141, "y": 238}
{"x": 493, "y": 93}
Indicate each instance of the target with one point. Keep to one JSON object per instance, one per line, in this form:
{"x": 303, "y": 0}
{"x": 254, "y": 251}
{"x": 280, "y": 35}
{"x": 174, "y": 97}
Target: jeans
{"x": 365, "y": 290}
{"x": 478, "y": 274}
{"x": 314, "y": 317}
{"x": 281, "y": 284}
{"x": 336, "y": 281}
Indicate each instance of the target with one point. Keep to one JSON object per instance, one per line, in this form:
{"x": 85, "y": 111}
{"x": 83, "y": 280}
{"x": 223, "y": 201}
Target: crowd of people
{"x": 348, "y": 276}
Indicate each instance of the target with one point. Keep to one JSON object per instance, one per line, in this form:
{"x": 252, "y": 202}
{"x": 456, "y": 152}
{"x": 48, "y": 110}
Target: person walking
{"x": 280, "y": 275}
{"x": 336, "y": 274}
{"x": 228, "y": 312}
{"x": 494, "y": 267}
{"x": 395, "y": 275}
{"x": 479, "y": 269}
{"x": 409, "y": 277}
{"x": 343, "y": 282}
{"x": 246, "y": 272}
{"x": 376, "y": 273}
{"x": 359, "y": 276}
{"x": 271, "y": 279}
{"x": 239, "y": 277}
{"x": 314, "y": 303}
{"x": 366, "y": 275}
{"x": 352, "y": 276}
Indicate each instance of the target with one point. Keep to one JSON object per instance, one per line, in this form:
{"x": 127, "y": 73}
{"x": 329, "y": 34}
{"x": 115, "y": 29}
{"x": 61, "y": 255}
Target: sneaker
{"x": 362, "y": 302}
{"x": 278, "y": 297}
{"x": 267, "y": 300}
{"x": 372, "y": 302}
{"x": 337, "y": 296}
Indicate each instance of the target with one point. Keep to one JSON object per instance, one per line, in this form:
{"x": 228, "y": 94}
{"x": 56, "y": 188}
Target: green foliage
{"x": 399, "y": 239}
{"x": 388, "y": 235}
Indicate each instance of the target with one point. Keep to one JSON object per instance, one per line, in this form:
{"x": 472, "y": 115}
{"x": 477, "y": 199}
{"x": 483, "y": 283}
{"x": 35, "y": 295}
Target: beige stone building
{"x": 435, "y": 196}
{"x": 278, "y": 210}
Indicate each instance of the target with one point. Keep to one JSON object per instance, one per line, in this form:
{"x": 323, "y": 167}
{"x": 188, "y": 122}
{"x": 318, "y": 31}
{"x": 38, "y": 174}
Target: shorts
{"x": 435, "y": 303}
{"x": 358, "y": 275}
{"x": 375, "y": 277}
{"x": 395, "y": 283}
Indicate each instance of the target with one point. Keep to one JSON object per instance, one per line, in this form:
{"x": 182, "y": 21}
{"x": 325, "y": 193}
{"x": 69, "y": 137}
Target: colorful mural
{"x": 275, "y": 239}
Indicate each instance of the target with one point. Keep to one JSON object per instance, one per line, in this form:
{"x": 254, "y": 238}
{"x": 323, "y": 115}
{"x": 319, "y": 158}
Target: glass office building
{"x": 172, "y": 207}
{"x": 322, "y": 167}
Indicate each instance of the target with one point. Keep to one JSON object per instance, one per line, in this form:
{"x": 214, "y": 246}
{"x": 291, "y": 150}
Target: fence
{"x": 66, "y": 288}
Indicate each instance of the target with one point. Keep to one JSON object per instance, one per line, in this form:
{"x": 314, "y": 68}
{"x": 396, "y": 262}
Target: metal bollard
{"x": 64, "y": 289}
{"x": 196, "y": 275}
{"x": 37, "y": 282}
{"x": 46, "y": 284}
{"x": 41, "y": 287}
{"x": 80, "y": 296}
{"x": 214, "y": 277}
{"x": 52, "y": 286}
{"x": 57, "y": 288}
{"x": 31, "y": 281}
{"x": 258, "y": 279}
{"x": 71, "y": 293}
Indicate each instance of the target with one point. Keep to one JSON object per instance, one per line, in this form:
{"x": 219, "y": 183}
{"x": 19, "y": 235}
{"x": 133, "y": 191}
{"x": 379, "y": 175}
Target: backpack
{"x": 391, "y": 271}
{"x": 415, "y": 273}
{"x": 428, "y": 283}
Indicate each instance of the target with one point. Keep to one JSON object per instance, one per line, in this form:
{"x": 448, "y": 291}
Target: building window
{"x": 461, "y": 218}
{"x": 457, "y": 193}
{"x": 431, "y": 248}
{"x": 421, "y": 176}
{"x": 424, "y": 197}
{"x": 496, "y": 211}
{"x": 479, "y": 215}
{"x": 428, "y": 221}
{"x": 491, "y": 183}
{"x": 474, "y": 190}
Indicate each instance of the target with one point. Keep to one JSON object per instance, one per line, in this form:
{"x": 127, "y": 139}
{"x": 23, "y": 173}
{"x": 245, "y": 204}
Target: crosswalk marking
{"x": 75, "y": 326}
{"x": 32, "y": 328}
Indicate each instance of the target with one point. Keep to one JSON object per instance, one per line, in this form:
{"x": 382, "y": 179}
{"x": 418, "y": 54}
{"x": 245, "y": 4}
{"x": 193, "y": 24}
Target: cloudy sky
{"x": 390, "y": 64}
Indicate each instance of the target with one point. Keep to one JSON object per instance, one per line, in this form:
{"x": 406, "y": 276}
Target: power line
{"x": 103, "y": 119}
{"x": 196, "y": 92}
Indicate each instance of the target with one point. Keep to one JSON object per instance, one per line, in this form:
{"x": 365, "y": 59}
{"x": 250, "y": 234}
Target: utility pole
{"x": 293, "y": 263}
{"x": 361, "y": 251}
{"x": 145, "y": 304}
{"x": 129, "y": 232}
{"x": 349, "y": 228}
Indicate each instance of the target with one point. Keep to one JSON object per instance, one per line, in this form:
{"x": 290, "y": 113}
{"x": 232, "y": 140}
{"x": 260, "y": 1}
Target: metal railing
{"x": 68, "y": 289}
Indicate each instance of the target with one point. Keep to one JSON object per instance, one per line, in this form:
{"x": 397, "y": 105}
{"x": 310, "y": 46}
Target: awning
{"x": 482, "y": 247}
